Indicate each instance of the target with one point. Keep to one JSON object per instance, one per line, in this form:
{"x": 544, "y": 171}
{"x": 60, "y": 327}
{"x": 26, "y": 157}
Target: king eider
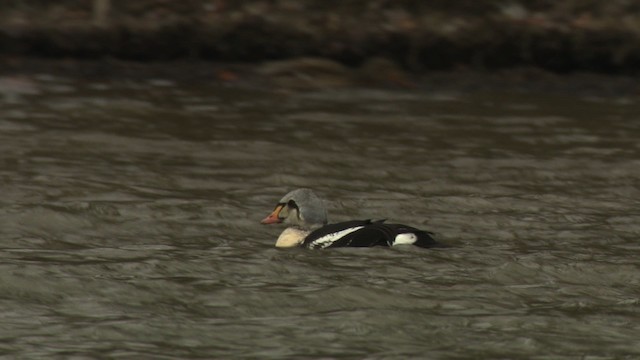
{"x": 306, "y": 215}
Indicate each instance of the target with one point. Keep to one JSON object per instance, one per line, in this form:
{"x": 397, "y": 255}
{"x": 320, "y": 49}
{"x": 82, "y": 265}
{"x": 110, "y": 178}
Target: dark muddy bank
{"x": 302, "y": 74}
{"x": 418, "y": 36}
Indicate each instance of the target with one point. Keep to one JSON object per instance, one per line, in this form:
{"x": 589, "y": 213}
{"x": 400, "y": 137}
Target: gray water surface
{"x": 129, "y": 222}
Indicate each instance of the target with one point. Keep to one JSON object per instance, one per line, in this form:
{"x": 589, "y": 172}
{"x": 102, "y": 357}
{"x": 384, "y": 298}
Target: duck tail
{"x": 425, "y": 240}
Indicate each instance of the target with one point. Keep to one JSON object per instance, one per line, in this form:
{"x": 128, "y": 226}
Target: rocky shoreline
{"x": 419, "y": 37}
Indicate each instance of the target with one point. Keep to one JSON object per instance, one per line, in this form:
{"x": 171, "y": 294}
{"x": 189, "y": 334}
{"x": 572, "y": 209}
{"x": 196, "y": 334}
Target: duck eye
{"x": 292, "y": 204}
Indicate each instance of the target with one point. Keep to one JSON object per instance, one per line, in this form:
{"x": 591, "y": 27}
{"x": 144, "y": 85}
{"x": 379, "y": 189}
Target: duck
{"x": 306, "y": 216}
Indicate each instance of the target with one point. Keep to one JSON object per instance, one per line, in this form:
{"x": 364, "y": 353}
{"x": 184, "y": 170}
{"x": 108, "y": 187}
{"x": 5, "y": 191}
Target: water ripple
{"x": 130, "y": 223}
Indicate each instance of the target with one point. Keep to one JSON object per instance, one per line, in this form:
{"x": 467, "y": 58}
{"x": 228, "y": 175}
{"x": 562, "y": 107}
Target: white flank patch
{"x": 328, "y": 239}
{"x": 405, "y": 239}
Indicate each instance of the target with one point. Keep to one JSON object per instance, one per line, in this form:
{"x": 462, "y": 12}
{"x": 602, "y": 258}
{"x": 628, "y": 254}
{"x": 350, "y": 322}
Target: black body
{"x": 370, "y": 233}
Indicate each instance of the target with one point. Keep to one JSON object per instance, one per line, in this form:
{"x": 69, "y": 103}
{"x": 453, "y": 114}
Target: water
{"x": 129, "y": 222}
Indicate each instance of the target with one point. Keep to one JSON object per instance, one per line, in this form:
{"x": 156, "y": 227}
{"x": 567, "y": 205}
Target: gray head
{"x": 300, "y": 207}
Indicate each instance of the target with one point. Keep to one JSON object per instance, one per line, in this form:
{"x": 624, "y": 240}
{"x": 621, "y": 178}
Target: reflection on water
{"x": 130, "y": 213}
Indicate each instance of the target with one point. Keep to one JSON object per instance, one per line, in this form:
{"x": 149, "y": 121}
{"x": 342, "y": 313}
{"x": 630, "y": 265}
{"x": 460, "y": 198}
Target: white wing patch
{"x": 405, "y": 239}
{"x": 328, "y": 239}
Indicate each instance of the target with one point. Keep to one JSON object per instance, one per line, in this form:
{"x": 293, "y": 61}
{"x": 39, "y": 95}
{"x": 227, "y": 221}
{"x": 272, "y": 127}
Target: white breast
{"x": 291, "y": 237}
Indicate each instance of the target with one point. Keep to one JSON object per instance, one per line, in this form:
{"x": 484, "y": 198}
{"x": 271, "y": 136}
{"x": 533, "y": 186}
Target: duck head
{"x": 301, "y": 208}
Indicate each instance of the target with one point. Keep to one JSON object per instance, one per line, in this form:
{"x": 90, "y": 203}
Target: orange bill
{"x": 273, "y": 217}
